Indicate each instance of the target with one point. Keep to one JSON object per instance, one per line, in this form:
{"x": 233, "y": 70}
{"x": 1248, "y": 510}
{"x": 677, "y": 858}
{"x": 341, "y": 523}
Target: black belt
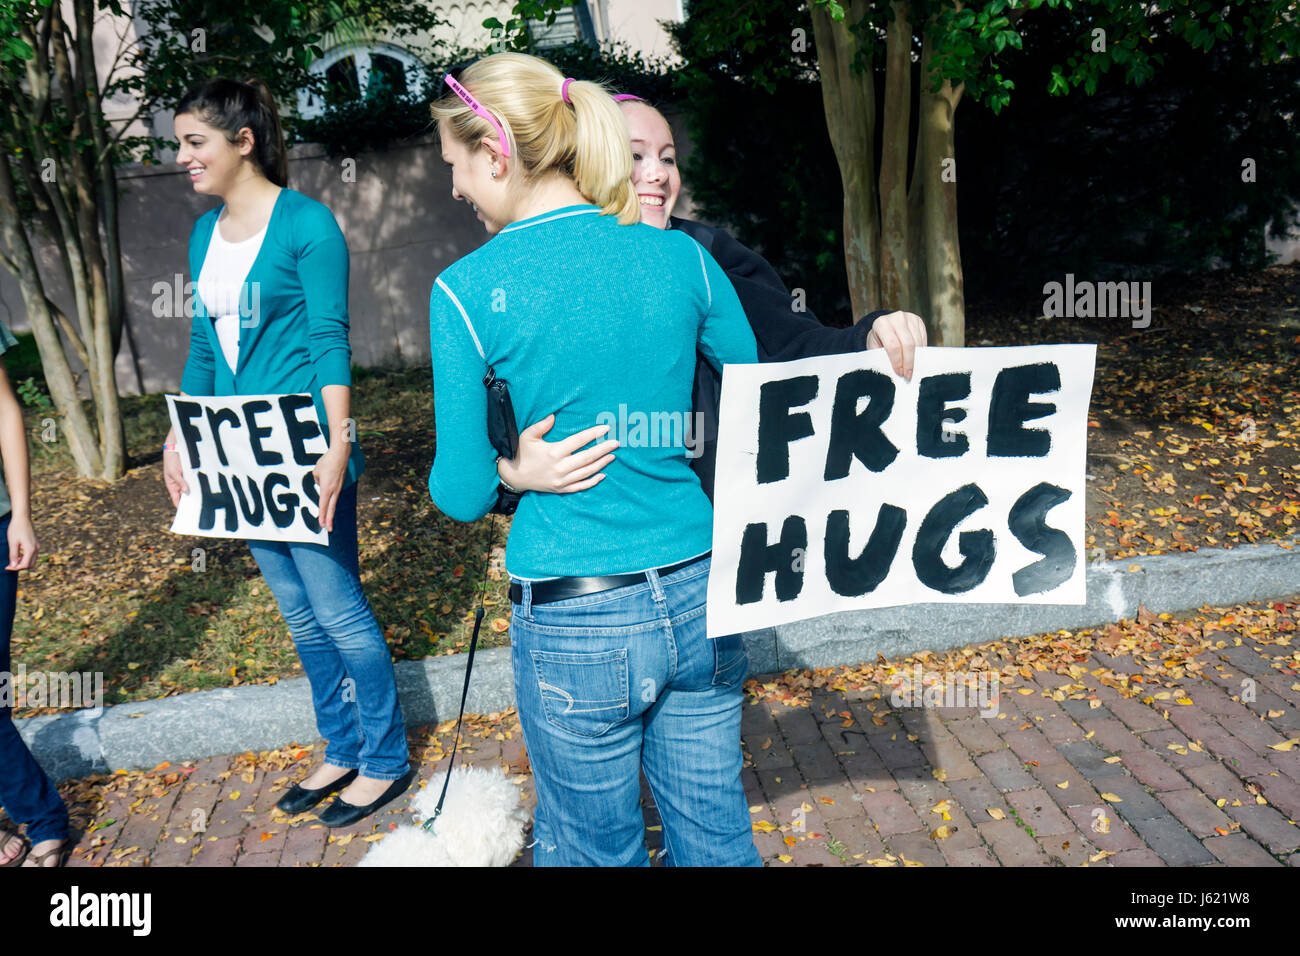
{"x": 559, "y": 589}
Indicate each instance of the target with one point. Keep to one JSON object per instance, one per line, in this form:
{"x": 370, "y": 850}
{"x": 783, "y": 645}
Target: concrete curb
{"x": 260, "y": 717}
{"x": 1168, "y": 582}
{"x": 207, "y": 723}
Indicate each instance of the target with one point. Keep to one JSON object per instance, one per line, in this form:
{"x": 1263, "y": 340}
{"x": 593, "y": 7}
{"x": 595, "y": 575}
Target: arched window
{"x": 360, "y": 70}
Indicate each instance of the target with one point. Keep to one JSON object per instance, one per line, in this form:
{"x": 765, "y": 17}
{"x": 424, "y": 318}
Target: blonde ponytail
{"x": 585, "y": 138}
{"x": 602, "y": 167}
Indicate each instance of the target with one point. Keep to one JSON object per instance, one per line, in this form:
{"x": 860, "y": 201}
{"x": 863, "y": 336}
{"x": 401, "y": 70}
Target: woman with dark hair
{"x": 290, "y": 335}
{"x": 781, "y": 332}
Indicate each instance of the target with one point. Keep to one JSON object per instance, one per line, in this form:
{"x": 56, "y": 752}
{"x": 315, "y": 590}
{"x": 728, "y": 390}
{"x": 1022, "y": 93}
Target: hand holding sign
{"x": 850, "y": 488}
{"x": 248, "y": 462}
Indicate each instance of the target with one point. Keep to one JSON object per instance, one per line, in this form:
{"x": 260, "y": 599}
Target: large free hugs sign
{"x": 842, "y": 486}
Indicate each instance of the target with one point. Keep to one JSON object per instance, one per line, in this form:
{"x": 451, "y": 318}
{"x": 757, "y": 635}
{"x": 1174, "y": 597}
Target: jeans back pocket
{"x": 730, "y": 659}
{"x": 584, "y": 693}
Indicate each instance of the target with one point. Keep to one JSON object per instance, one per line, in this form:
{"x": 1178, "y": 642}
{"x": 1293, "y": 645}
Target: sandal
{"x": 59, "y": 854}
{"x": 7, "y": 838}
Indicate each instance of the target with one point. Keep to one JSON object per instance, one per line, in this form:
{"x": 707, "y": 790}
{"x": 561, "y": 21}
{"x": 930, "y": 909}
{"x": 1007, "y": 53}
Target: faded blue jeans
{"x": 342, "y": 649}
{"x": 625, "y": 680}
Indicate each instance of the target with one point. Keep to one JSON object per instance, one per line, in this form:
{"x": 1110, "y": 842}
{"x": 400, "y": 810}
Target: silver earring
{"x": 494, "y": 173}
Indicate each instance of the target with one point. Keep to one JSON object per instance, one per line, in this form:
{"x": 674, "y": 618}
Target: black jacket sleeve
{"x": 782, "y": 333}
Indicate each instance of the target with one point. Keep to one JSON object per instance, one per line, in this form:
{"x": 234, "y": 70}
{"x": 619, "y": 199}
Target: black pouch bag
{"x": 503, "y": 433}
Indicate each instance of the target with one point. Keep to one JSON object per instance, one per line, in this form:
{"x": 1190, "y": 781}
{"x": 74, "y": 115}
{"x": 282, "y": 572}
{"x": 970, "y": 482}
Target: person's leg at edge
{"x": 26, "y": 792}
{"x": 692, "y": 753}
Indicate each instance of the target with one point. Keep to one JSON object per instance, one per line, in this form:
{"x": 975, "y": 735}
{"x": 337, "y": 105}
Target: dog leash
{"x": 469, "y": 667}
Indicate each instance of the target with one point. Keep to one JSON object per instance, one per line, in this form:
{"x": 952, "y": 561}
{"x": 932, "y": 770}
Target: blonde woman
{"x": 583, "y": 310}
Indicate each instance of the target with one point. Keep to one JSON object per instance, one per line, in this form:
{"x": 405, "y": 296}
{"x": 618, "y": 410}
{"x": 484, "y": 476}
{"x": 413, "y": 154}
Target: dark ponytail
{"x": 229, "y": 106}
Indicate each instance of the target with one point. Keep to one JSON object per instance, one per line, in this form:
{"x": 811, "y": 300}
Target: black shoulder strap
{"x": 469, "y": 668}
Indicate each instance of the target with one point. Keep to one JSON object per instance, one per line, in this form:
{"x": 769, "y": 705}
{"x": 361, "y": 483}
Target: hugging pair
{"x": 589, "y": 297}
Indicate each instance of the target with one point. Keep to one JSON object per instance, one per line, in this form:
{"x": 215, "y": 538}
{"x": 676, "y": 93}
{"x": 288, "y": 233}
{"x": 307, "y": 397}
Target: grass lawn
{"x": 115, "y": 591}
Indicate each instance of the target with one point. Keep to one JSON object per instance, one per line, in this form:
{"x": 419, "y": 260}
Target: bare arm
{"x": 13, "y": 449}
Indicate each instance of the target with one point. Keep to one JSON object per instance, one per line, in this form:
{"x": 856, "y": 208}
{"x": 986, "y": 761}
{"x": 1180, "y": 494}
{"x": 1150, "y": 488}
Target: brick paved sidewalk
{"x": 1068, "y": 772}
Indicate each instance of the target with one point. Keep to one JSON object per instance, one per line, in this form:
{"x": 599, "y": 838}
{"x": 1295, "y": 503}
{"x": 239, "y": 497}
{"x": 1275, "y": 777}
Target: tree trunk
{"x": 58, "y": 374}
{"x": 918, "y": 289}
{"x": 946, "y": 319}
{"x": 895, "y": 254}
{"x": 78, "y": 207}
{"x": 850, "y": 102}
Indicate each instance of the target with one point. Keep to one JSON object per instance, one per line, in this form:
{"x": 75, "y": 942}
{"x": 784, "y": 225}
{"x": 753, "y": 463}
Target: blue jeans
{"x": 342, "y": 649}
{"x": 25, "y": 791}
{"x": 625, "y": 680}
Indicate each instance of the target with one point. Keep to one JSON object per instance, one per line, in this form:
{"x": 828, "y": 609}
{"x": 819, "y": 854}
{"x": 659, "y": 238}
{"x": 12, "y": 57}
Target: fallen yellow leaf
{"x": 996, "y": 814}
{"x": 1111, "y": 798}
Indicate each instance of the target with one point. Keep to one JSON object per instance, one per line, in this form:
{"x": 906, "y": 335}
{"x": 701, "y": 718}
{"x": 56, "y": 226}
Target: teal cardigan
{"x": 295, "y": 337}
{"x": 586, "y": 318}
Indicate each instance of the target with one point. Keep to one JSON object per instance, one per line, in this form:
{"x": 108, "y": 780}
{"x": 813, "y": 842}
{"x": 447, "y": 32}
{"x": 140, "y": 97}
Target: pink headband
{"x": 620, "y": 97}
{"x": 473, "y": 104}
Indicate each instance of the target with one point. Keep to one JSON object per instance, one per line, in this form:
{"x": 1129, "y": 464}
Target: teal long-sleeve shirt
{"x": 293, "y": 335}
{"x": 597, "y": 322}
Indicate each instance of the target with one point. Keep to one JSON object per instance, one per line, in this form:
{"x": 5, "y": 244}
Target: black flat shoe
{"x": 340, "y": 813}
{"x": 299, "y": 798}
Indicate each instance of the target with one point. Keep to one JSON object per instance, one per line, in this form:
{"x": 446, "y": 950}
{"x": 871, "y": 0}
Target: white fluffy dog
{"x": 482, "y": 824}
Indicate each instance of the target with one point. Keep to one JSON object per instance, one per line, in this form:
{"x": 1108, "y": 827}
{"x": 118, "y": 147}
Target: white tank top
{"x": 221, "y": 286}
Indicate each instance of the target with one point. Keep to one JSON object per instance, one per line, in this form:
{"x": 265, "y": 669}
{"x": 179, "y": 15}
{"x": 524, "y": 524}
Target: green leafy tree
{"x": 894, "y": 135}
{"x": 900, "y": 235}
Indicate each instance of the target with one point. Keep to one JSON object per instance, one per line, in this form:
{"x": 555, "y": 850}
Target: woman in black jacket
{"x": 781, "y": 332}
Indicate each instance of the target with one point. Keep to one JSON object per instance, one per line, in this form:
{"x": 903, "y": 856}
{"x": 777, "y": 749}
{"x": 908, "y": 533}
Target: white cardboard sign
{"x": 248, "y": 462}
{"x": 842, "y": 486}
